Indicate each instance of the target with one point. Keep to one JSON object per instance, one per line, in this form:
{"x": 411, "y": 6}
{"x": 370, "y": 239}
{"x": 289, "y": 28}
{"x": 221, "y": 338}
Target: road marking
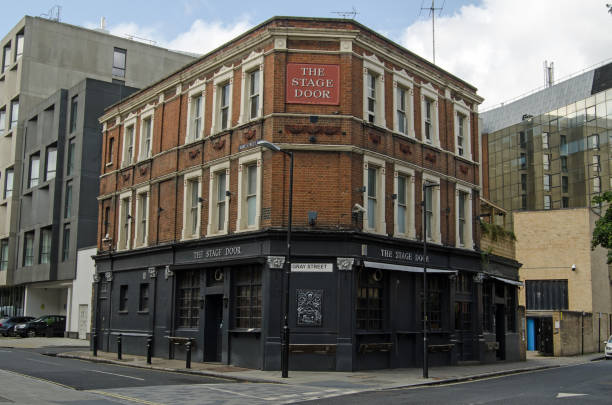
{"x": 569, "y": 395}
{"x": 125, "y": 398}
{"x": 40, "y": 361}
{"x": 119, "y": 375}
{"x": 235, "y": 393}
{"x": 6, "y": 351}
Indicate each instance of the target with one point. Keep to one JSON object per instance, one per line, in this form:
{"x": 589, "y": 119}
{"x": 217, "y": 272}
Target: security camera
{"x": 359, "y": 209}
{"x": 573, "y": 267}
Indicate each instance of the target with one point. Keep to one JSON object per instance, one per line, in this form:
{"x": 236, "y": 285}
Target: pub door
{"x": 213, "y": 327}
{"x": 500, "y": 330}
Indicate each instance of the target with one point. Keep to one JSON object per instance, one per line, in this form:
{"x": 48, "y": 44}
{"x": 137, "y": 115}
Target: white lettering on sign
{"x": 312, "y": 267}
{"x": 218, "y": 252}
{"x": 403, "y": 255}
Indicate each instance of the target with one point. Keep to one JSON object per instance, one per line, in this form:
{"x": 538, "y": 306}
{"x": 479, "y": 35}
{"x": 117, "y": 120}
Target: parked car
{"x": 46, "y": 325}
{"x": 608, "y": 351}
{"x": 7, "y": 323}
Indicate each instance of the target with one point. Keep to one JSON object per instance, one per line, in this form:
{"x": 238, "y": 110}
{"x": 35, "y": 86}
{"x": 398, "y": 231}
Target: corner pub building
{"x": 193, "y": 212}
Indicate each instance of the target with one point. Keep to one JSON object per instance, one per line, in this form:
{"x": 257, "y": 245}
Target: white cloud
{"x": 202, "y": 36}
{"x": 500, "y": 46}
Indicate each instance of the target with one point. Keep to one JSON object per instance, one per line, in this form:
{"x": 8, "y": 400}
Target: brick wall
{"x": 328, "y": 148}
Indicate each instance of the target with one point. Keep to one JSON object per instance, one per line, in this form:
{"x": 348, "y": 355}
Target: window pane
{"x": 51, "y": 163}
{"x": 66, "y": 244}
{"x": 14, "y": 113}
{"x": 68, "y": 200}
{"x": 70, "y": 165}
{"x": 34, "y": 170}
{"x": 119, "y": 62}
{"x": 8, "y": 185}
{"x": 73, "y": 113}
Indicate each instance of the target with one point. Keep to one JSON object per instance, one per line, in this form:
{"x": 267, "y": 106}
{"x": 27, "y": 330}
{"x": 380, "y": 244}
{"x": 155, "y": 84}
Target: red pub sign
{"x": 313, "y": 84}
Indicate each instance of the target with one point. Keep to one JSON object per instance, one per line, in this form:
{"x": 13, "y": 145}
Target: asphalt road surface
{"x": 83, "y": 375}
{"x": 586, "y": 383}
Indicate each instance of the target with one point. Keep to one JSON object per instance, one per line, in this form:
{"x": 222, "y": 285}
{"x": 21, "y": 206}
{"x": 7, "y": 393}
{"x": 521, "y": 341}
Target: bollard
{"x": 95, "y": 344}
{"x": 119, "y": 346}
{"x": 188, "y": 352}
{"x": 149, "y": 348}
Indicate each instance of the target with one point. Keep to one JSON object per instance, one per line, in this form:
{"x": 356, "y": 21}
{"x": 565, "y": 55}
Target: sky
{"x": 499, "y": 46}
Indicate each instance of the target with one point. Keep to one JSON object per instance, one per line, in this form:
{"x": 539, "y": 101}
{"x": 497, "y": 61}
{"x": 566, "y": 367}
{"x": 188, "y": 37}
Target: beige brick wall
{"x": 548, "y": 244}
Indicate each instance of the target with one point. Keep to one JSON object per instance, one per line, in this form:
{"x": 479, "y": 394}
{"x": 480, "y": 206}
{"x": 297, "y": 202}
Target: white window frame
{"x": 546, "y": 179}
{"x": 254, "y": 62}
{"x": 213, "y": 219}
{"x": 189, "y": 179}
{"x": 410, "y": 219}
{"x": 545, "y": 140}
{"x": 224, "y": 76}
{"x": 145, "y": 152}
{"x": 242, "y": 218}
{"x": 123, "y": 235}
{"x": 2, "y": 120}
{"x": 198, "y": 90}
{"x": 468, "y": 242}
{"x": 596, "y": 163}
{"x": 373, "y": 65}
{"x": 436, "y": 236}
{"x": 461, "y": 108}
{"x": 545, "y": 161}
{"x": 428, "y": 92}
{"x": 402, "y": 80}
{"x": 547, "y": 202}
{"x": 127, "y": 157}
{"x": 596, "y": 184}
{"x": 140, "y": 233}
{"x": 380, "y": 226}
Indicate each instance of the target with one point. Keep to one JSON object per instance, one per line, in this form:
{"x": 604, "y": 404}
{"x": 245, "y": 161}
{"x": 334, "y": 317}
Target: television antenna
{"x": 53, "y": 14}
{"x": 347, "y": 14}
{"x": 432, "y": 11}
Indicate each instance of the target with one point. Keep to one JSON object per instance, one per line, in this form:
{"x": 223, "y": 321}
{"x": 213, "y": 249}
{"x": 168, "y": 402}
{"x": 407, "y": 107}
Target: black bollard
{"x": 149, "y": 348}
{"x": 95, "y": 344}
{"x": 188, "y": 352}
{"x": 119, "y": 346}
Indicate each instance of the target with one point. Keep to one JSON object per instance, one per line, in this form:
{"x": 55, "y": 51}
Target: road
{"x": 586, "y": 383}
{"x": 31, "y": 377}
{"x": 28, "y": 376}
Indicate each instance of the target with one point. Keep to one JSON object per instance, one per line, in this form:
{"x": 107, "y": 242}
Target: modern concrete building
{"x": 194, "y": 211}
{"x": 38, "y": 58}
{"x": 552, "y": 148}
{"x": 57, "y": 207}
{"x": 568, "y": 286}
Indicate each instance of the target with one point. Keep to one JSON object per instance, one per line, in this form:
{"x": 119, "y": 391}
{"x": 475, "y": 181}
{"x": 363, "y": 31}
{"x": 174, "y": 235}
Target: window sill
{"x": 372, "y": 332}
{"x": 108, "y": 164}
{"x": 122, "y": 312}
{"x": 465, "y": 158}
{"x": 143, "y": 312}
{"x": 28, "y": 192}
{"x": 245, "y": 330}
{"x": 9, "y": 132}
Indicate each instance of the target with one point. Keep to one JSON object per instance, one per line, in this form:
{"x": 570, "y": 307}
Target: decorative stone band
{"x": 168, "y": 272}
{"x": 479, "y": 277}
{"x": 345, "y": 263}
{"x": 276, "y": 262}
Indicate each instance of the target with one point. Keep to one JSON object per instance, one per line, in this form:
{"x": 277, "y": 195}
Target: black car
{"x": 7, "y": 323}
{"x": 46, "y": 325}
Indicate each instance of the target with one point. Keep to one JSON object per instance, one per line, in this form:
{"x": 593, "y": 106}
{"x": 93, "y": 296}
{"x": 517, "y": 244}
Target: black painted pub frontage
{"x": 355, "y": 302}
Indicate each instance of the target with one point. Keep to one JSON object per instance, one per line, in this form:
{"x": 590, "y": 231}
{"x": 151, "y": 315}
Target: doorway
{"x": 500, "y": 330}
{"x": 213, "y": 327}
{"x": 83, "y": 321}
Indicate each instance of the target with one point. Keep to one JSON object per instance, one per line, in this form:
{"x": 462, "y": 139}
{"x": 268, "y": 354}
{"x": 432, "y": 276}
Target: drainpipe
{"x": 582, "y": 335}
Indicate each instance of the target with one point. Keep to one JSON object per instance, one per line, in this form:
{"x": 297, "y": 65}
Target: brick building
{"x": 194, "y": 213}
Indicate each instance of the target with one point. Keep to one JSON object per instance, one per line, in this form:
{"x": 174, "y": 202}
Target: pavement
{"x": 358, "y": 381}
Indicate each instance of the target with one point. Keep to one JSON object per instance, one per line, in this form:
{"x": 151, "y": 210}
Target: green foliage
{"x": 602, "y": 234}
{"x": 496, "y": 232}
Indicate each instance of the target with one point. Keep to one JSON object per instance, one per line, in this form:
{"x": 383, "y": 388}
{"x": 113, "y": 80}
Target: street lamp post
{"x": 425, "y": 317}
{"x": 286, "y": 282}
